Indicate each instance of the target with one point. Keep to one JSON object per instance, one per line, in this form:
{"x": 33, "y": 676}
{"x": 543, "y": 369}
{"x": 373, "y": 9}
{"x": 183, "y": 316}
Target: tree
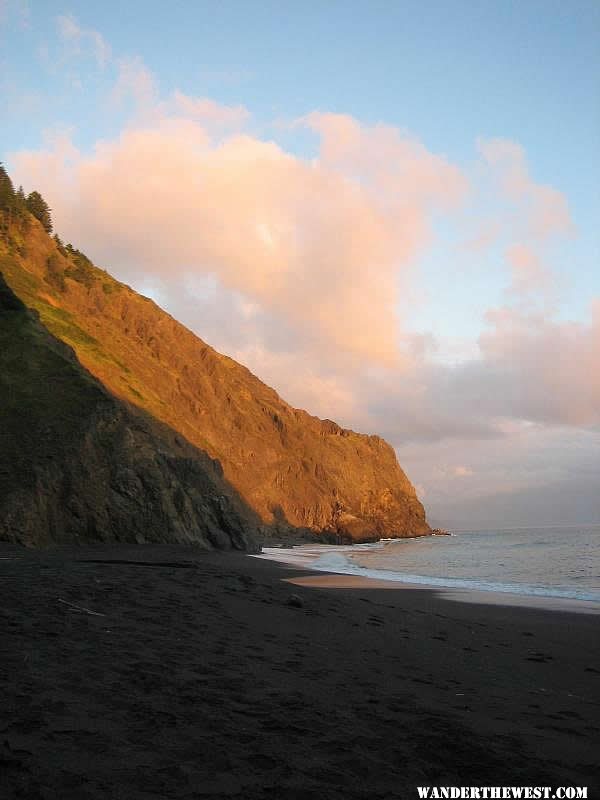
{"x": 7, "y": 191}
{"x": 59, "y": 245}
{"x": 7, "y": 203}
{"x": 39, "y": 208}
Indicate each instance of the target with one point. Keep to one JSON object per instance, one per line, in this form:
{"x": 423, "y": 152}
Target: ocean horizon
{"x": 561, "y": 562}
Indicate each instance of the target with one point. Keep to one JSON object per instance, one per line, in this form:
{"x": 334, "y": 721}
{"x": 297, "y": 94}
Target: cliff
{"x": 77, "y": 465}
{"x": 292, "y": 470}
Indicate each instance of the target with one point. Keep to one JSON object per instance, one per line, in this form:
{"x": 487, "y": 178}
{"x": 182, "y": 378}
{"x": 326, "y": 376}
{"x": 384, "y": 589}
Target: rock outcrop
{"x": 294, "y": 471}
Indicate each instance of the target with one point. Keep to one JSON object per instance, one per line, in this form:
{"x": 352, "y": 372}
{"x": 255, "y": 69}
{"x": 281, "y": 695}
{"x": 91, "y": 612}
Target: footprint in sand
{"x": 539, "y": 658}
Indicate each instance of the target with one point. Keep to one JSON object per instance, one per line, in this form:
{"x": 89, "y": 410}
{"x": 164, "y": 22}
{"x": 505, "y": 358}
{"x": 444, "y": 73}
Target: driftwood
{"x": 80, "y": 608}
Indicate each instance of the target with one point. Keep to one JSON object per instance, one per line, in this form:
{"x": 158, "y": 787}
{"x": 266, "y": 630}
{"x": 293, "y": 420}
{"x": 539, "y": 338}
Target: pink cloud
{"x": 486, "y": 235}
{"x": 207, "y": 111}
{"x": 136, "y": 87}
{"x": 462, "y": 472}
{"x": 546, "y": 208}
{"x": 310, "y": 258}
{"x": 529, "y": 275}
{"x": 164, "y": 197}
{"x": 544, "y": 370}
{"x": 382, "y": 155}
{"x": 316, "y": 279}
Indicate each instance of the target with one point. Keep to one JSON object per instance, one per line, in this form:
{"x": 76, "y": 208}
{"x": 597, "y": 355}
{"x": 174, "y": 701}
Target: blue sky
{"x": 451, "y": 76}
{"x": 451, "y": 71}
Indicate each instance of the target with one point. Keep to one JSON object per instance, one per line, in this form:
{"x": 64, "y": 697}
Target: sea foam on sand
{"x": 339, "y": 559}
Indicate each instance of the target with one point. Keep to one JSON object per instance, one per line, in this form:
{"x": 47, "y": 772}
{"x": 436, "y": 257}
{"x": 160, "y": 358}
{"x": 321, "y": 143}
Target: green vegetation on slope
{"x": 38, "y": 295}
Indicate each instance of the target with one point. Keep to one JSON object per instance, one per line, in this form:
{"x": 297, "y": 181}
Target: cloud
{"x": 136, "y": 89}
{"x": 545, "y": 208}
{"x": 542, "y": 369}
{"x": 462, "y": 472}
{"x": 135, "y": 86}
{"x": 207, "y": 111}
{"x": 535, "y": 476}
{"x": 169, "y": 198}
{"x": 83, "y": 41}
{"x": 485, "y": 236}
{"x": 306, "y": 256}
{"x": 381, "y": 156}
{"x": 528, "y": 273}
{"x": 530, "y": 369}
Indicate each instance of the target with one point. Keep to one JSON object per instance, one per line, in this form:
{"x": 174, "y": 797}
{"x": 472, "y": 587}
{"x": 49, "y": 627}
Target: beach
{"x": 166, "y": 672}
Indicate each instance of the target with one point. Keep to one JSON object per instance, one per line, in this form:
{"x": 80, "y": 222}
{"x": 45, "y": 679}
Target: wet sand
{"x": 473, "y": 597}
{"x": 162, "y": 672}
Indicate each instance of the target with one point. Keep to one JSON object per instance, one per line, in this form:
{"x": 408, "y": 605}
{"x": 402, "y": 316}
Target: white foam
{"x": 336, "y": 559}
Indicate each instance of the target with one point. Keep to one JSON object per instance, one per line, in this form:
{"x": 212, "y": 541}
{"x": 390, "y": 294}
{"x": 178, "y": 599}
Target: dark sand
{"x": 200, "y": 681}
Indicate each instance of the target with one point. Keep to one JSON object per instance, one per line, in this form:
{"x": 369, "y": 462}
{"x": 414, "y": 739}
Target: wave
{"x": 335, "y": 558}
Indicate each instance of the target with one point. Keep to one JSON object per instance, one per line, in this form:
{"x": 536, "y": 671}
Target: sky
{"x": 389, "y": 211}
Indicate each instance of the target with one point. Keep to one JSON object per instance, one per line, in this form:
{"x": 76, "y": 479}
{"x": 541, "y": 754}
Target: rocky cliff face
{"x": 292, "y": 469}
{"x": 77, "y": 465}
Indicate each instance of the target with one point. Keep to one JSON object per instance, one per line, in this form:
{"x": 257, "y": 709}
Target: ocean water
{"x": 541, "y": 562}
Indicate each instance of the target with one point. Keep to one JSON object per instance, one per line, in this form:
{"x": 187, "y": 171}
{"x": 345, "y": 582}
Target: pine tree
{"x": 40, "y": 209}
{"x": 59, "y": 245}
{"x": 7, "y": 203}
{"x": 7, "y": 191}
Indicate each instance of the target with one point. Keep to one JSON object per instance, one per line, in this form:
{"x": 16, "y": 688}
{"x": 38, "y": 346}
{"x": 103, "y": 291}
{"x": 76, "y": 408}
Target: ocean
{"x": 557, "y": 562}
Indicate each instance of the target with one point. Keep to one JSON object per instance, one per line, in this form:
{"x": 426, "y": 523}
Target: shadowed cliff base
{"x": 297, "y": 473}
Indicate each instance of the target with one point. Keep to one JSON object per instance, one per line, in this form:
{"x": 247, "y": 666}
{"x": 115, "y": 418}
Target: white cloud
{"x": 84, "y": 41}
{"x": 135, "y": 86}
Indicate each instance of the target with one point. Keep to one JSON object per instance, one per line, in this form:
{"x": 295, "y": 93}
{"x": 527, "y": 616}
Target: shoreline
{"x": 452, "y": 589}
{"x": 337, "y": 580}
{"x": 163, "y": 671}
